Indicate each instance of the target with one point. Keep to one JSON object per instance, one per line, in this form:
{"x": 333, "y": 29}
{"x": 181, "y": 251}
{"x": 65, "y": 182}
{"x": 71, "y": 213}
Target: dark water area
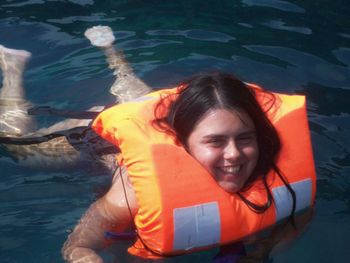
{"x": 300, "y": 47}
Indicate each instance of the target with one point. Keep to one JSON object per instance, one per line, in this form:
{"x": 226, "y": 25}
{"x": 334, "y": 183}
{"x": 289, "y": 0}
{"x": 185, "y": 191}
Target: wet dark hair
{"x": 201, "y": 93}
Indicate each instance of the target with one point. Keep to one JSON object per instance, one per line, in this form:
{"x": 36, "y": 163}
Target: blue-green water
{"x": 287, "y": 46}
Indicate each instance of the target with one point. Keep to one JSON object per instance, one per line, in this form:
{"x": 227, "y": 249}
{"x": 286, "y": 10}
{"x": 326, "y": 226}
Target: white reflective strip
{"x": 196, "y": 226}
{"x": 284, "y": 201}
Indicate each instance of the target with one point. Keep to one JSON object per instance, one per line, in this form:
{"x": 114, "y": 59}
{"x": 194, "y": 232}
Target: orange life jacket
{"x": 181, "y": 207}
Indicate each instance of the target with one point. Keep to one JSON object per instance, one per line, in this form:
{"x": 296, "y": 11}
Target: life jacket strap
{"x": 37, "y": 139}
{"x": 49, "y": 111}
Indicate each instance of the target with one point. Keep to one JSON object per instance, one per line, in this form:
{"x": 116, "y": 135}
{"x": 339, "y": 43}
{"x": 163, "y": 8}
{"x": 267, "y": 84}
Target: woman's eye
{"x": 246, "y": 139}
{"x": 216, "y": 142}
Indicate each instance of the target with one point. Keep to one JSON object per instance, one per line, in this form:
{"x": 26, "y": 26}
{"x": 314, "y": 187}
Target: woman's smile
{"x": 230, "y": 170}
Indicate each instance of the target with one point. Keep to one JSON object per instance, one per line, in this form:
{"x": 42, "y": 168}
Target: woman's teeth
{"x": 231, "y": 169}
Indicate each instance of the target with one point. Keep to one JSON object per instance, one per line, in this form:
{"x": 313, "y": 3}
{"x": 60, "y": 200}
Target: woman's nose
{"x": 232, "y": 151}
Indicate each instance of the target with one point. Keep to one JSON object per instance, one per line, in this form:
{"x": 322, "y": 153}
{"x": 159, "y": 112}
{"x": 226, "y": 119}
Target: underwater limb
{"x": 14, "y": 119}
{"x": 12, "y": 63}
{"x": 127, "y": 85}
{"x": 280, "y": 236}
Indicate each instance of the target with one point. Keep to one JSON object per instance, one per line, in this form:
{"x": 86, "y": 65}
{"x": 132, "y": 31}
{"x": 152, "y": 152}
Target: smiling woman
{"x": 212, "y": 133}
{"x": 208, "y": 171}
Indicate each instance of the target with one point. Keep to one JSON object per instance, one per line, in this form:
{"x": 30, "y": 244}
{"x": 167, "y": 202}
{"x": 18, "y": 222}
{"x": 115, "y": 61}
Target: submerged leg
{"x": 127, "y": 85}
{"x": 13, "y": 106}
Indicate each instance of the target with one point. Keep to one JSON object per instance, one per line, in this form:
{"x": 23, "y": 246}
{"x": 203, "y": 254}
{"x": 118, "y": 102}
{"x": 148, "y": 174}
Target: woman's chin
{"x": 230, "y": 187}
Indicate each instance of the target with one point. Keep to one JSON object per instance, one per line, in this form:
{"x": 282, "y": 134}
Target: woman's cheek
{"x": 207, "y": 156}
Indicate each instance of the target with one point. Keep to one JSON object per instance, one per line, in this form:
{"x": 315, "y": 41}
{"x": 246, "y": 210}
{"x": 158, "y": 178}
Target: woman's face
{"x": 225, "y": 143}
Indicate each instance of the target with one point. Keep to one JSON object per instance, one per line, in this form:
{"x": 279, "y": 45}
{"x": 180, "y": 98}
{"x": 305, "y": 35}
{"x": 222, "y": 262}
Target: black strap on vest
{"x": 29, "y": 140}
{"x": 40, "y": 138}
{"x": 48, "y": 111}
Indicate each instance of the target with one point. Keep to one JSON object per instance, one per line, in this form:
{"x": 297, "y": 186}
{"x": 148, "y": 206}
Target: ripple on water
{"x": 196, "y": 34}
{"x": 277, "y": 4}
{"x": 278, "y": 24}
{"x": 306, "y": 67}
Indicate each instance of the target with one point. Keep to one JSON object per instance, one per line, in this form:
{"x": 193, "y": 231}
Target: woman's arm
{"x": 88, "y": 236}
{"x": 108, "y": 214}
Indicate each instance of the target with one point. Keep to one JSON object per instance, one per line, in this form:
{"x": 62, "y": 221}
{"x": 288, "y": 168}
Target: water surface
{"x": 298, "y": 47}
